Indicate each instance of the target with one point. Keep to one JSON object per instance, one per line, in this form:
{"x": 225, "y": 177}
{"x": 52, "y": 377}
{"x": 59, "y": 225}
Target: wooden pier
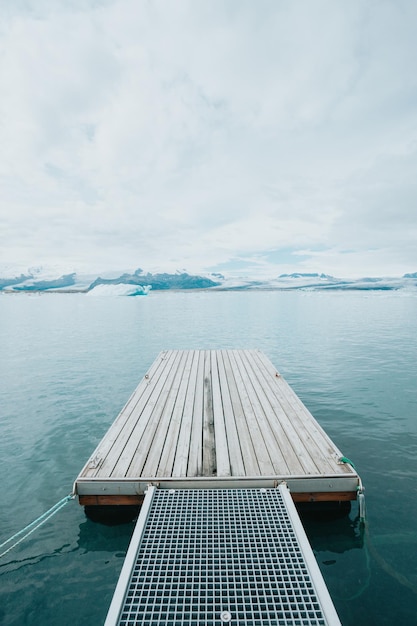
{"x": 214, "y": 419}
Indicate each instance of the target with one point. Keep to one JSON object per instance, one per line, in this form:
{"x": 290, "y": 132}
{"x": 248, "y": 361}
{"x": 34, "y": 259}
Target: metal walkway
{"x": 205, "y": 557}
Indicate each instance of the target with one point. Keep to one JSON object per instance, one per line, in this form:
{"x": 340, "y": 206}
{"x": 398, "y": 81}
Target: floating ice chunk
{"x": 120, "y": 290}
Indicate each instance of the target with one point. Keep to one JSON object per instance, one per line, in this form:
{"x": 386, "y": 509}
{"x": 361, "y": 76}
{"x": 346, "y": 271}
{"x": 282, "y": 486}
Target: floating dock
{"x": 217, "y": 447}
{"x": 209, "y": 419}
{"x": 206, "y": 557}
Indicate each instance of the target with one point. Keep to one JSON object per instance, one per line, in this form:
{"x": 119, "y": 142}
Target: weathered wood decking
{"x": 214, "y": 418}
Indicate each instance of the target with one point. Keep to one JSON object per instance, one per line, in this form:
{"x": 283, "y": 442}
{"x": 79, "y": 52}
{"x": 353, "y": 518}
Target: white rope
{"x": 37, "y": 523}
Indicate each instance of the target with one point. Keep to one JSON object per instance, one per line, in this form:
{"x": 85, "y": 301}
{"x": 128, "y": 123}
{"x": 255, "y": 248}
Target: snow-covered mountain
{"x": 138, "y": 282}
{"x": 109, "y": 283}
{"x": 322, "y": 282}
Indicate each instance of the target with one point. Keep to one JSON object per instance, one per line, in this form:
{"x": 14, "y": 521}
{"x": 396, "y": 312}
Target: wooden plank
{"x": 122, "y": 426}
{"x": 296, "y": 484}
{"x": 249, "y": 457}
{"x": 209, "y": 447}
{"x": 153, "y": 385}
{"x": 324, "y": 496}
{"x": 195, "y": 457}
{"x": 221, "y": 443}
{"x": 305, "y": 424}
{"x": 237, "y": 467}
{"x": 133, "y": 445}
{"x": 171, "y": 440}
{"x": 154, "y": 437}
{"x": 184, "y": 437}
{"x": 283, "y": 442}
{"x": 115, "y": 500}
{"x": 285, "y": 415}
{"x": 261, "y": 451}
{"x": 342, "y": 496}
{"x": 319, "y": 443}
{"x": 279, "y": 449}
{"x": 319, "y": 437}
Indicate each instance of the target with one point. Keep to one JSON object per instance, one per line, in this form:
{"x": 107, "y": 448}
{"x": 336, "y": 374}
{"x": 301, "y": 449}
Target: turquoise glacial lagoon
{"x": 69, "y": 363}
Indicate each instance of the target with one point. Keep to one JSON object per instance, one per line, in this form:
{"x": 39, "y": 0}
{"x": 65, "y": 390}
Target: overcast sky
{"x": 247, "y": 137}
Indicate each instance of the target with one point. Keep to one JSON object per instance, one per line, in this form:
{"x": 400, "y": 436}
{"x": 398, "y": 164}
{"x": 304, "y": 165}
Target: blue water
{"x": 68, "y": 364}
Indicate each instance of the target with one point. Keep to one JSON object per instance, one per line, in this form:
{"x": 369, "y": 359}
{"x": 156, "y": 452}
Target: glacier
{"x": 134, "y": 283}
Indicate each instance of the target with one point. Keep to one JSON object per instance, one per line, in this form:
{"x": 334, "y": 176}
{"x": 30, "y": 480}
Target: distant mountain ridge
{"x": 158, "y": 281}
{"x": 139, "y": 282}
{"x": 303, "y": 275}
{"x": 38, "y": 281}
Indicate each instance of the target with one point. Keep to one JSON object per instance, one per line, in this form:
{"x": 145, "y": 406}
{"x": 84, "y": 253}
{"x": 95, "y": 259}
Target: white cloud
{"x": 186, "y": 134}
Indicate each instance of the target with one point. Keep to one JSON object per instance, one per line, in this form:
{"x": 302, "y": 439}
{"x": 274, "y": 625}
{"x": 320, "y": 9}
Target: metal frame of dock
{"x": 207, "y": 419}
{"x": 203, "y": 557}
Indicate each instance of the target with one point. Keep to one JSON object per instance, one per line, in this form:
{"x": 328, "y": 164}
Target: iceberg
{"x": 120, "y": 290}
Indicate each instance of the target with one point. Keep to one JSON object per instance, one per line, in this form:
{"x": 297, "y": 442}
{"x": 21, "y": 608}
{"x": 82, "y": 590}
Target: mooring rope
{"x": 370, "y": 549}
{"x": 37, "y": 523}
{"x": 384, "y": 565}
{"x": 344, "y": 459}
{"x": 360, "y": 490}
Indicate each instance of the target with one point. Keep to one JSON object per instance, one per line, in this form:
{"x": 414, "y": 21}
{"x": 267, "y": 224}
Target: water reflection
{"x": 333, "y": 535}
{"x": 95, "y": 537}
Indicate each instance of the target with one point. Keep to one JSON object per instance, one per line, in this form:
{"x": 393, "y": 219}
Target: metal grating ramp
{"x": 208, "y": 557}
